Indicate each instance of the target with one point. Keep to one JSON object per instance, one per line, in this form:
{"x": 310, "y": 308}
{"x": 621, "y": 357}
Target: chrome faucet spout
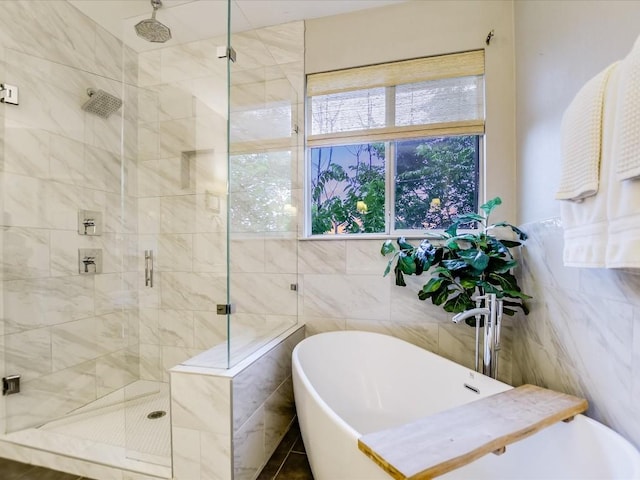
{"x": 457, "y": 318}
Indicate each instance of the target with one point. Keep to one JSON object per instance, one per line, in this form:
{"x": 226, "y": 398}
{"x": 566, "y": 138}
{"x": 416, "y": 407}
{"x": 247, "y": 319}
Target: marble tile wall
{"x": 227, "y": 426}
{"x": 583, "y": 333}
{"x": 343, "y": 288}
{"x": 72, "y": 338}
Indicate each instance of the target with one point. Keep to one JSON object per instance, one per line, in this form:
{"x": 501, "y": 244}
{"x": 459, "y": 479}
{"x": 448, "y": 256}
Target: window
{"x": 396, "y": 147}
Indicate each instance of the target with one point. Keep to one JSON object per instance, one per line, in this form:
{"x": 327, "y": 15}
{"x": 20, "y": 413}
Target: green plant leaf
{"x": 510, "y": 243}
{"x": 488, "y": 207}
{"x": 399, "y": 277}
{"x": 387, "y": 247}
{"x": 516, "y": 294}
{"x": 468, "y": 283}
{"x": 477, "y": 259}
{"x": 440, "y": 296}
{"x": 452, "y": 230}
{"x": 404, "y": 245}
{"x": 388, "y": 269}
{"x": 498, "y": 265}
{"x": 469, "y": 217}
{"x": 443, "y": 272}
{"x": 454, "y": 264}
{"x": 407, "y": 264}
{"x": 432, "y": 285}
{"x": 459, "y": 303}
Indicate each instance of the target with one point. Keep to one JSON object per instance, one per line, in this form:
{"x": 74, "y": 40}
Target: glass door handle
{"x": 148, "y": 268}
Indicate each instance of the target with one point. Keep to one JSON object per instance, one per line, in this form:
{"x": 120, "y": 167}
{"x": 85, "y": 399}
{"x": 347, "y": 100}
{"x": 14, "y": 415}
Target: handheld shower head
{"x": 151, "y": 29}
{"x": 101, "y": 103}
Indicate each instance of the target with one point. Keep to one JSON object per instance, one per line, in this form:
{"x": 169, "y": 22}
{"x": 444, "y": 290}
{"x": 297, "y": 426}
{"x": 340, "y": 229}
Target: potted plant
{"x": 463, "y": 264}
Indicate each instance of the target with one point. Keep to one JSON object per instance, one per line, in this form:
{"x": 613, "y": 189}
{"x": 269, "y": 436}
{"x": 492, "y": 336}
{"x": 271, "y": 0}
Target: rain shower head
{"x": 151, "y": 29}
{"x": 101, "y": 103}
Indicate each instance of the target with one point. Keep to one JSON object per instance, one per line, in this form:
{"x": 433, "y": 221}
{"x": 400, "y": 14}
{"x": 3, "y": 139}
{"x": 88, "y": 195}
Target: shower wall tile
{"x": 43, "y": 398}
{"x": 283, "y": 42}
{"x": 28, "y": 353}
{"x": 115, "y": 370}
{"x": 175, "y": 253}
{"x": 26, "y": 253}
{"x": 281, "y": 255}
{"x": 193, "y": 291}
{"x": 57, "y": 159}
{"x": 115, "y": 291}
{"x": 26, "y": 151}
{"x": 175, "y": 328}
{"x": 210, "y": 252}
{"x": 247, "y": 256}
{"x": 178, "y": 214}
{"x": 151, "y": 362}
{"x": 274, "y": 295}
{"x": 109, "y": 51}
{"x": 47, "y": 301}
{"x": 149, "y": 332}
{"x": 172, "y": 356}
{"x": 175, "y": 101}
{"x": 209, "y": 329}
{"x": 211, "y": 212}
{"x": 177, "y": 136}
{"x": 148, "y": 215}
{"x": 74, "y": 342}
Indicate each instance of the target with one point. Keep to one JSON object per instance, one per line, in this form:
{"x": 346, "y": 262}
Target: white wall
{"x": 559, "y": 46}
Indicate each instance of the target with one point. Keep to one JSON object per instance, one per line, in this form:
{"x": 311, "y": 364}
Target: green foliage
{"x": 463, "y": 265}
{"x": 337, "y": 190}
{"x": 435, "y": 179}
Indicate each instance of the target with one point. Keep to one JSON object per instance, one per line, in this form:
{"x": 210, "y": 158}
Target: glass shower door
{"x": 264, "y": 192}
{"x": 182, "y": 182}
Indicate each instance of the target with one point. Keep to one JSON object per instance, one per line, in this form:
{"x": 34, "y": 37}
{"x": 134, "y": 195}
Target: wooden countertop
{"x": 447, "y": 440}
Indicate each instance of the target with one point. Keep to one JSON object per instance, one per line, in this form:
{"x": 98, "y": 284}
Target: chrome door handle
{"x": 148, "y": 268}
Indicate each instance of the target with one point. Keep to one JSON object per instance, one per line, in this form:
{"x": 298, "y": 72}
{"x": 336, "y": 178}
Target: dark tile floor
{"x": 288, "y": 462}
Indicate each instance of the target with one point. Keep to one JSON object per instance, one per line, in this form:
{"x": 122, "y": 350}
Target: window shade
{"x": 397, "y": 73}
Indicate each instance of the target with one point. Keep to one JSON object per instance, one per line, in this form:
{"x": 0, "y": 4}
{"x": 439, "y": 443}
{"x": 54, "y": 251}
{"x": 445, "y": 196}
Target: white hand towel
{"x": 628, "y": 117}
{"x": 586, "y": 235}
{"x": 581, "y": 140}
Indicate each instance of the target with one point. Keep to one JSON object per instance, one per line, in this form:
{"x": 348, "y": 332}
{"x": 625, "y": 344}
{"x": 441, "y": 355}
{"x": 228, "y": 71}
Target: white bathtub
{"x": 350, "y": 383}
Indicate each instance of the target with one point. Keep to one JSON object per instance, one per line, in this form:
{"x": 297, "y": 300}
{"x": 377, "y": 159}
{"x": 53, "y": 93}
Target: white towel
{"x": 586, "y": 234}
{"x": 628, "y": 117}
{"x": 623, "y": 198}
{"x": 581, "y": 140}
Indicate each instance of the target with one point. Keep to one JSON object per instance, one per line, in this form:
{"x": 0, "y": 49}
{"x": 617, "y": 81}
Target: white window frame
{"x": 453, "y": 65}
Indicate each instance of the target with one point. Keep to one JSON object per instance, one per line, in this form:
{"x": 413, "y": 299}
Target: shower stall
{"x": 150, "y": 187}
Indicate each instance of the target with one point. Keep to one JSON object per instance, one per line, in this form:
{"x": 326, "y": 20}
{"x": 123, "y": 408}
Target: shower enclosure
{"x": 142, "y": 231}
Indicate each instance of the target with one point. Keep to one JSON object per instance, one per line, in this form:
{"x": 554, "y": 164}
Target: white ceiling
{"x": 191, "y": 20}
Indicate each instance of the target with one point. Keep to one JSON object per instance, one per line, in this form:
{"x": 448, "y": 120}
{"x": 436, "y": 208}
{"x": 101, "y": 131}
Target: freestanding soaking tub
{"x": 350, "y": 383}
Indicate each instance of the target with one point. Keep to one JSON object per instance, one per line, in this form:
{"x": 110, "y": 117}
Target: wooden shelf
{"x": 447, "y": 440}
